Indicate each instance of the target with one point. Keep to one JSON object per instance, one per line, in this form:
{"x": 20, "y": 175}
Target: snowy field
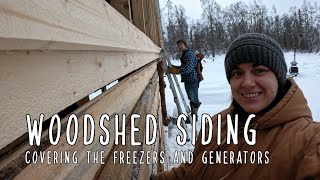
{"x": 215, "y": 94}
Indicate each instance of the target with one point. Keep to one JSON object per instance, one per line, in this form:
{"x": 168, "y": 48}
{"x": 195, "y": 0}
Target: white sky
{"x": 193, "y": 7}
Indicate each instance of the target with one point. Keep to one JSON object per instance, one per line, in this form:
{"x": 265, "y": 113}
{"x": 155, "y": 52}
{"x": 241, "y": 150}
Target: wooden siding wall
{"x": 53, "y": 54}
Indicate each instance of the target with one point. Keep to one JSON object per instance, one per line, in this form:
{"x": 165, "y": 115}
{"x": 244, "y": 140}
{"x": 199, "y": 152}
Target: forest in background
{"x": 298, "y": 29}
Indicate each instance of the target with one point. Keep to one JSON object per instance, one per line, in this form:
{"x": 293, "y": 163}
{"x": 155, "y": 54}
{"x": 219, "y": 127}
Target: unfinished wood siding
{"x": 138, "y": 14}
{"x": 120, "y": 99}
{"x": 68, "y": 25}
{"x": 123, "y": 7}
{"x": 47, "y": 82}
{"x": 55, "y": 53}
{"x": 147, "y": 104}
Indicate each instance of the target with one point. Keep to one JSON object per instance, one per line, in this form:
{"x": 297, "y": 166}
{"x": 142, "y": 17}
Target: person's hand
{"x": 173, "y": 70}
{"x": 154, "y": 177}
{"x": 200, "y": 76}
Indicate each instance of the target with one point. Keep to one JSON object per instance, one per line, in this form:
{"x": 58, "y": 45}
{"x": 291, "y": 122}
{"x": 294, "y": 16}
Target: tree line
{"x": 298, "y": 29}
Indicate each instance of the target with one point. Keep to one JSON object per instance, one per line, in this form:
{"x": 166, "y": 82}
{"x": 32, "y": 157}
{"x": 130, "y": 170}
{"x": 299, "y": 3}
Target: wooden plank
{"x": 159, "y": 33}
{"x": 146, "y": 169}
{"x": 155, "y": 24}
{"x": 123, "y": 97}
{"x": 8, "y": 158}
{"x": 118, "y": 170}
{"x": 162, "y": 167}
{"x": 156, "y": 112}
{"x": 68, "y": 25}
{"x": 34, "y": 82}
{"x": 152, "y": 20}
{"x": 123, "y": 7}
{"x": 146, "y": 6}
{"x": 138, "y": 15}
{"x": 154, "y": 29}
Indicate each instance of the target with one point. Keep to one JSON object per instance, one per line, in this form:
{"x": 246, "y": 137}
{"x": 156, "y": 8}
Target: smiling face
{"x": 181, "y": 47}
{"x": 254, "y": 87}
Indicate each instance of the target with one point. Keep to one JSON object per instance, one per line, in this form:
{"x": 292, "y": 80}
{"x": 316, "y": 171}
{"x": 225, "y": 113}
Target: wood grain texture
{"x": 123, "y": 98}
{"x": 34, "y": 82}
{"x": 138, "y": 14}
{"x": 123, "y": 7}
{"x": 113, "y": 169}
{"x": 146, "y": 169}
{"x": 68, "y": 25}
{"x": 55, "y": 53}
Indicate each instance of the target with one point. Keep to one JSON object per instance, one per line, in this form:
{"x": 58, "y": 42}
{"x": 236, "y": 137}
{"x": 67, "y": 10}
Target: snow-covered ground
{"x": 215, "y": 94}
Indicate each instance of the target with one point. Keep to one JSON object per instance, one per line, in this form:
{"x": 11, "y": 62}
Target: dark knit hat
{"x": 259, "y": 49}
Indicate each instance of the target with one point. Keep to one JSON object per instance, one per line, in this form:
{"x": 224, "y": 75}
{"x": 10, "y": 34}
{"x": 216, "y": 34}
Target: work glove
{"x": 173, "y": 70}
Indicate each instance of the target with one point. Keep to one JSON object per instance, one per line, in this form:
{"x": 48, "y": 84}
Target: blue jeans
{"x": 192, "y": 92}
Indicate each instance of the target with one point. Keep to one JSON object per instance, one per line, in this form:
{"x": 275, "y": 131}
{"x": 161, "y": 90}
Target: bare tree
{"x": 298, "y": 29}
{"x": 211, "y": 12}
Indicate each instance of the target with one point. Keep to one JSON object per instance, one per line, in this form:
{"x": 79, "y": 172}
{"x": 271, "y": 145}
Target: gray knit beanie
{"x": 259, "y": 49}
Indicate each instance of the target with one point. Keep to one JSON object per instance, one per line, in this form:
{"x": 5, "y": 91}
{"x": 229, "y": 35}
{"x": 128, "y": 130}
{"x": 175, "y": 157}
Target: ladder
{"x": 174, "y": 81}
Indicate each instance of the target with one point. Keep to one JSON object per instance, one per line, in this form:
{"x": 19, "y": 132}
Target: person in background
{"x": 189, "y": 75}
{"x": 199, "y": 68}
{"x": 256, "y": 71}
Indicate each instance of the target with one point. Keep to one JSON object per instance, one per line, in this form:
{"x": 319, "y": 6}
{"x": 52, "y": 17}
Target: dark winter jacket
{"x": 188, "y": 67}
{"x": 287, "y": 132}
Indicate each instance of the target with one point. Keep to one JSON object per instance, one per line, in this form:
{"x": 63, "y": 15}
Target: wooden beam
{"x": 161, "y": 167}
{"x": 35, "y": 82}
{"x": 156, "y": 24}
{"x": 154, "y": 29}
{"x": 147, "y": 17}
{"x": 151, "y": 23}
{"x": 68, "y": 25}
{"x": 152, "y": 20}
{"x": 123, "y": 98}
{"x": 123, "y": 7}
{"x": 138, "y": 14}
{"x": 143, "y": 169}
{"x": 159, "y": 27}
{"x": 156, "y": 110}
{"x": 113, "y": 169}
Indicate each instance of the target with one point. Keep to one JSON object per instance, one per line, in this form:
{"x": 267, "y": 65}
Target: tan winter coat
{"x": 287, "y": 132}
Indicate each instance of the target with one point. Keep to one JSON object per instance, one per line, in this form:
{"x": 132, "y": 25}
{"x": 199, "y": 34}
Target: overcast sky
{"x": 193, "y": 7}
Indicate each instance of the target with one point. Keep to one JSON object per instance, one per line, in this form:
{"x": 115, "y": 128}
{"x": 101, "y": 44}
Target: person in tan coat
{"x": 287, "y": 140}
